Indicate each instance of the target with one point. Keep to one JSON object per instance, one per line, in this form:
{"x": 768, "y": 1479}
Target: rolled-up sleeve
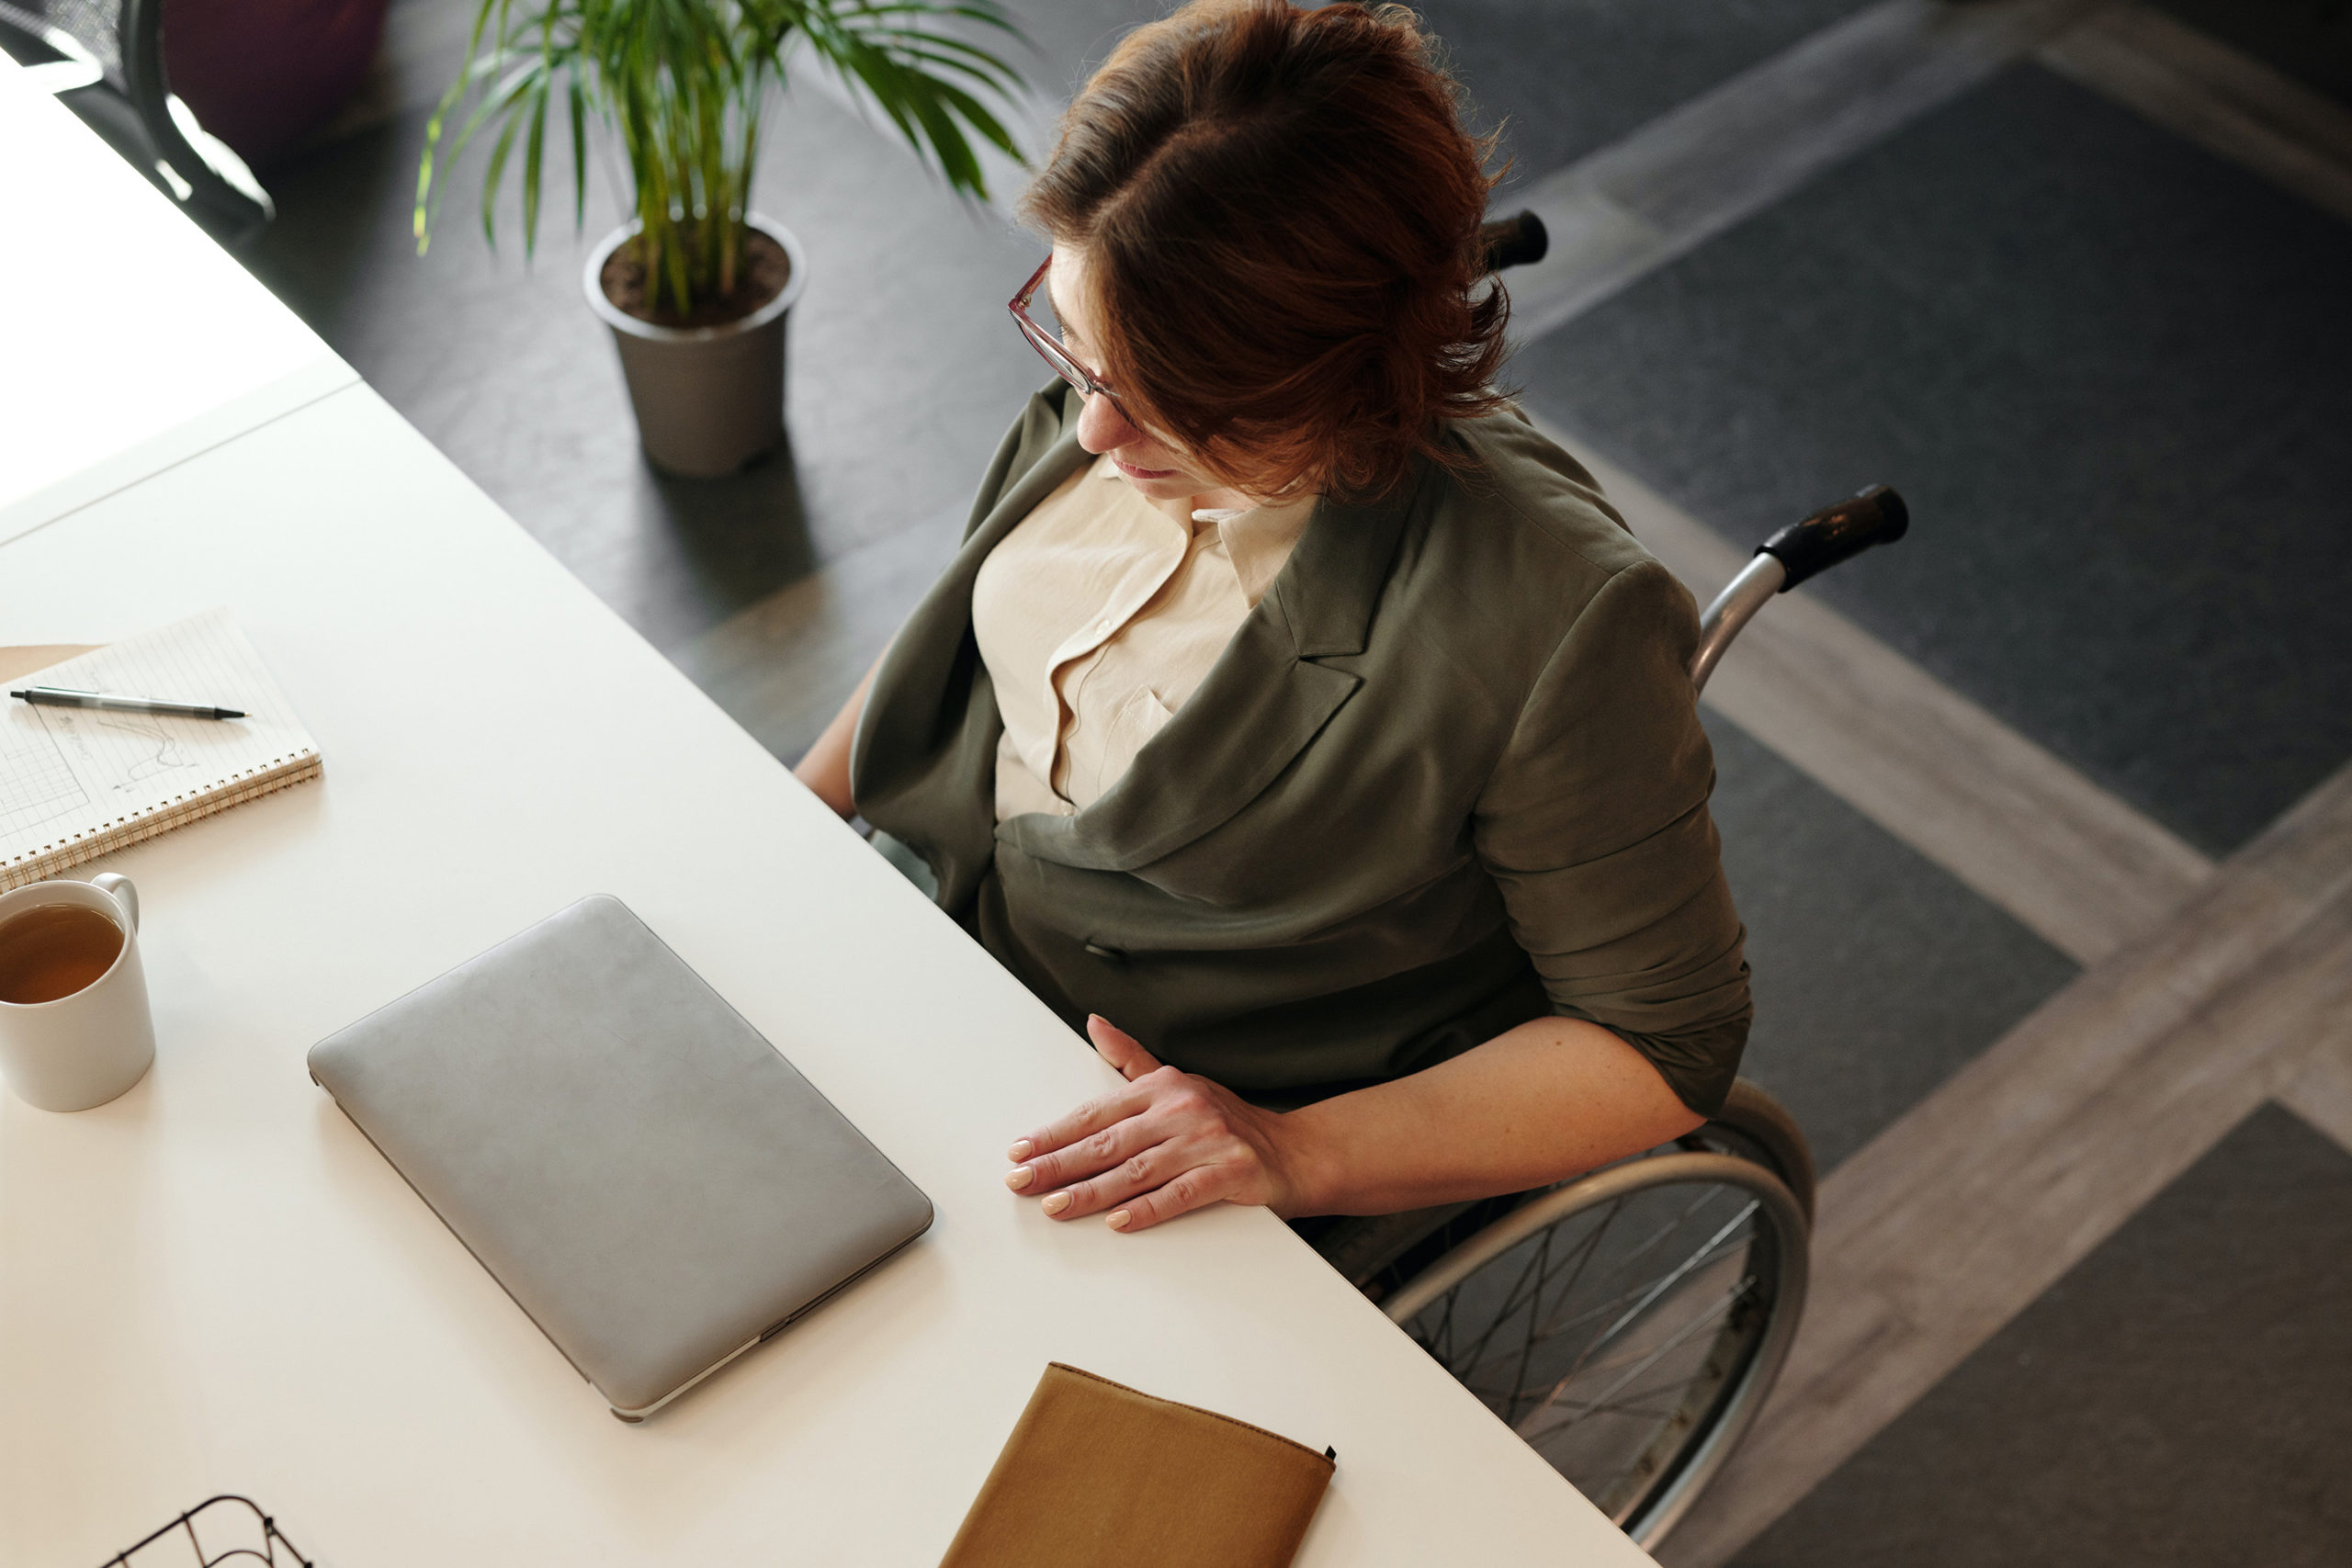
{"x": 1594, "y": 824}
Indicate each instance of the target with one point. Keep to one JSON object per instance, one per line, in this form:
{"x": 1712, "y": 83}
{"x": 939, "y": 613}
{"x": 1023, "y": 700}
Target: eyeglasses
{"x": 1048, "y": 346}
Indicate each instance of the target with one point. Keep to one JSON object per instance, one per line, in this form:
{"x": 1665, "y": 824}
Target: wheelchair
{"x": 1629, "y": 1323}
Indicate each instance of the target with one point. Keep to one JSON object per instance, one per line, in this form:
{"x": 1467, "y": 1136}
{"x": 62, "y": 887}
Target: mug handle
{"x": 118, "y": 886}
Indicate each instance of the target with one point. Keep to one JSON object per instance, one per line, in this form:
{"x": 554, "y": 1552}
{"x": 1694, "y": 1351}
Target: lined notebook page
{"x": 75, "y": 783}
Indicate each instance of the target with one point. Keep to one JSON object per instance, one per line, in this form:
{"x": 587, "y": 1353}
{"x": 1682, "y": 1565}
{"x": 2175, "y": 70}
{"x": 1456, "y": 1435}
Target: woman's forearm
{"x": 825, "y": 770}
{"x": 1542, "y": 1102}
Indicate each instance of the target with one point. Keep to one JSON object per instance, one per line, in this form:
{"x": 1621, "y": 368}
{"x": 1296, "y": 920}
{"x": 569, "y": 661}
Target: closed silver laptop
{"x": 646, "y": 1175}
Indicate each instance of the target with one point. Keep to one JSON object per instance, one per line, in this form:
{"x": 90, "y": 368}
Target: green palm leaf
{"x": 681, "y": 86}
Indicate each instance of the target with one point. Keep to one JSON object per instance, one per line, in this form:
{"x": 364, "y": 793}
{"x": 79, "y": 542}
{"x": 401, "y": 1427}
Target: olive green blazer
{"x": 1447, "y": 777}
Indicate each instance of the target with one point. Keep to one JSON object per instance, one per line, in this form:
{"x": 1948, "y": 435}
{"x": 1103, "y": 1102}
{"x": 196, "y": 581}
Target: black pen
{"x": 64, "y": 697}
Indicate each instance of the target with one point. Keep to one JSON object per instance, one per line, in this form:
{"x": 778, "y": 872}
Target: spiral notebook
{"x": 76, "y": 782}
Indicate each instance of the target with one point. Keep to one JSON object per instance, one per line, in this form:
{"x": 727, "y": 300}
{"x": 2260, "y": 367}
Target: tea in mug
{"x": 55, "y": 950}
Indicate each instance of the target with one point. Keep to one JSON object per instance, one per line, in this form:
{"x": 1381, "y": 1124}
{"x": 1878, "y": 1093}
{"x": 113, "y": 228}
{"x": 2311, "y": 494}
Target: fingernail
{"x": 1019, "y": 1176}
{"x": 1021, "y": 1149}
{"x": 1056, "y": 1203}
{"x": 1118, "y": 1220}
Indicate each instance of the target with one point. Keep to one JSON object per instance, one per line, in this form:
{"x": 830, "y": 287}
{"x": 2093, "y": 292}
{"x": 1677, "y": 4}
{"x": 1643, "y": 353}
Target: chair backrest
{"x": 76, "y": 28}
{"x": 124, "y": 40}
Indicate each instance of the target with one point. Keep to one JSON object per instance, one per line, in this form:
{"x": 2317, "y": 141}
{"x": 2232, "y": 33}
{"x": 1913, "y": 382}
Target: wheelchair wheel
{"x": 1627, "y": 1324}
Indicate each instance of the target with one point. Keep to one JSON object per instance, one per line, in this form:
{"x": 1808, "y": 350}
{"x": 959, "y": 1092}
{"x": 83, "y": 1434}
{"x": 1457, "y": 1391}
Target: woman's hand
{"x": 1166, "y": 1143}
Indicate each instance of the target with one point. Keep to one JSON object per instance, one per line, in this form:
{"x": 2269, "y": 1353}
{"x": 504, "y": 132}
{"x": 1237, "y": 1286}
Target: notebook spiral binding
{"x": 271, "y": 1540}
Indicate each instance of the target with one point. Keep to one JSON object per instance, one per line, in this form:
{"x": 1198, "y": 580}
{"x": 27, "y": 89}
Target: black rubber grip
{"x": 1833, "y": 534}
{"x": 1513, "y": 242}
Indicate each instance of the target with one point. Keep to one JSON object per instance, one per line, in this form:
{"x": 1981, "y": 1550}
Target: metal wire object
{"x": 272, "y": 1539}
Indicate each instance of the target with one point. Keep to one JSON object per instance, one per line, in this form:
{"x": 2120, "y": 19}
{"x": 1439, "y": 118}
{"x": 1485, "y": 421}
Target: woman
{"x": 1294, "y": 715}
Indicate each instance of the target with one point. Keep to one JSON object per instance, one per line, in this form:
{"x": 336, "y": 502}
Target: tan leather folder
{"x": 1097, "y": 1474}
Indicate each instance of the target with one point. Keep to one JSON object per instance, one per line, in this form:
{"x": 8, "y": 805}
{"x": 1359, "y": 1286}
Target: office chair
{"x": 104, "y": 60}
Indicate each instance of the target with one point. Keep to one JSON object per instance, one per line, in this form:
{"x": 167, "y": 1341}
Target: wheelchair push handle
{"x": 1800, "y": 550}
{"x": 1838, "y": 533}
{"x": 1515, "y": 241}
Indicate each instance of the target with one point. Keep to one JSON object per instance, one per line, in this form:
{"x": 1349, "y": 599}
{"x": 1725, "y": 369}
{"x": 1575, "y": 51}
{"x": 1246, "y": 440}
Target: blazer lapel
{"x": 923, "y": 714}
{"x": 1265, "y": 700}
{"x": 1043, "y": 455}
{"x": 932, "y": 642}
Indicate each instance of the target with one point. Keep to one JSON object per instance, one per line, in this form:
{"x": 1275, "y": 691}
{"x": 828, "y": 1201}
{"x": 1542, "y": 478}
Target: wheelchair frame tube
{"x": 1733, "y": 608}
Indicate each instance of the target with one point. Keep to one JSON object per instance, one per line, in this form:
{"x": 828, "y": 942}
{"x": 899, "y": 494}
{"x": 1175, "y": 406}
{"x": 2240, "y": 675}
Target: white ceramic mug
{"x": 83, "y": 1049}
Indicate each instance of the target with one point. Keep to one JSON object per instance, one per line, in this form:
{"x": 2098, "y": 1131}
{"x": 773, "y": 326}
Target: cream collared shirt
{"x": 1099, "y": 614}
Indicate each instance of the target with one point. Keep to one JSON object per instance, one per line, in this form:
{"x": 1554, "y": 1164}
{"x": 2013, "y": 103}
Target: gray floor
{"x": 2310, "y": 40}
{"x": 2113, "y": 374}
{"x": 2183, "y": 1397}
{"x": 1876, "y": 975}
{"x": 903, "y": 373}
{"x": 1562, "y": 78}
{"x": 1558, "y": 78}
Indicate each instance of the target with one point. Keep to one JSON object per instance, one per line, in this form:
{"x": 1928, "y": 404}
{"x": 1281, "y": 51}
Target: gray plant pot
{"x": 708, "y": 399}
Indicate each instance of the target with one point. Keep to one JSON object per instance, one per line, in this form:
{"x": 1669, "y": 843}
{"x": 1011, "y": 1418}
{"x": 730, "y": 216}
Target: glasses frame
{"x": 1050, "y": 347}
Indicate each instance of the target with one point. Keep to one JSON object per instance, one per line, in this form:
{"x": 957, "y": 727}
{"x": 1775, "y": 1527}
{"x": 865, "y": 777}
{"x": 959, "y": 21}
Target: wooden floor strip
{"x": 2067, "y": 859}
{"x": 2222, "y": 100}
{"x": 2322, "y": 1095}
{"x": 1956, "y": 1217}
{"x": 1636, "y": 205}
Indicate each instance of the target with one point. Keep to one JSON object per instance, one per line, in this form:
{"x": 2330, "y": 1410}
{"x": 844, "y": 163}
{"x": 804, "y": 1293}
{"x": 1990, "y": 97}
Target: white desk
{"x": 129, "y": 341}
{"x": 215, "y": 1283}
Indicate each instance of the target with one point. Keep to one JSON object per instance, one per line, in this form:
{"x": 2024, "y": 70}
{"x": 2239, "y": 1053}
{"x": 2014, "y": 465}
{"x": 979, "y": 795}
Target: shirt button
{"x": 1102, "y": 626}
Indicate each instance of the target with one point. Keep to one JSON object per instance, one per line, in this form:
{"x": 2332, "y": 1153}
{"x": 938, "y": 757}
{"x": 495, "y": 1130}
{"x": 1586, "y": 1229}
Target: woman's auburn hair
{"x": 1280, "y": 210}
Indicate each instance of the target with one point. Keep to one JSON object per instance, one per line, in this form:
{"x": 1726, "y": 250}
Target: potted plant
{"x": 697, "y": 286}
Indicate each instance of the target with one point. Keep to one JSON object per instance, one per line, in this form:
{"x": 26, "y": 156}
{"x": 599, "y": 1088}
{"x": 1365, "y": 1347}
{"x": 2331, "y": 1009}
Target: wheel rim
{"x": 1626, "y": 1324}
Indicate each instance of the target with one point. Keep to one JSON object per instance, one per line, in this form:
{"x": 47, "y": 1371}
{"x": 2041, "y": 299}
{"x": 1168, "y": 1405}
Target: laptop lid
{"x": 647, "y": 1176}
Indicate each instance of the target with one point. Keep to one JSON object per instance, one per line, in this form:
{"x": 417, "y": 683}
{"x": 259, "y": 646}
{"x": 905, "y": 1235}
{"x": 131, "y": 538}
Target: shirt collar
{"x": 1256, "y": 541}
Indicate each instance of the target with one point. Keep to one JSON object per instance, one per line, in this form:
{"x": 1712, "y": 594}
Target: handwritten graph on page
{"x": 69, "y": 771}
{"x": 37, "y": 785}
{"x": 161, "y": 751}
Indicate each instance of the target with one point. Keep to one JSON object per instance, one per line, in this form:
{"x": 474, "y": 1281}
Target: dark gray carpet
{"x": 903, "y": 373}
{"x": 2181, "y": 1399}
{"x": 1070, "y": 37}
{"x": 1560, "y": 78}
{"x": 2311, "y": 40}
{"x": 1876, "y": 975}
{"x": 1567, "y": 77}
{"x": 2114, "y": 377}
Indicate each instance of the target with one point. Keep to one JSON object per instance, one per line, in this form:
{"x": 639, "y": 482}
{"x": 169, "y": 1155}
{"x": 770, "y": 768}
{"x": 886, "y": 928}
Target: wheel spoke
{"x": 1664, "y": 1284}
{"x": 1631, "y": 1291}
{"x": 1444, "y": 1335}
{"x": 1542, "y": 1327}
{"x": 1529, "y": 1279}
{"x": 1639, "y": 1401}
{"x": 1584, "y": 1254}
{"x": 1721, "y": 1305}
{"x": 1610, "y": 1337}
{"x": 1534, "y": 1322}
{"x": 1652, "y": 1241}
{"x": 1610, "y": 1363}
{"x": 1476, "y": 1355}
